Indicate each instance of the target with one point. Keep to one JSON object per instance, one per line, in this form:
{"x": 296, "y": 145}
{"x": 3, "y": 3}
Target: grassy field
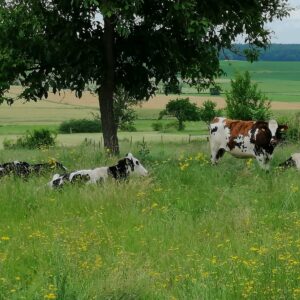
{"x": 279, "y": 80}
{"x": 188, "y": 231}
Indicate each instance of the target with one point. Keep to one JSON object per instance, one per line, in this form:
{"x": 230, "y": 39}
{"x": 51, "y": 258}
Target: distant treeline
{"x": 275, "y": 52}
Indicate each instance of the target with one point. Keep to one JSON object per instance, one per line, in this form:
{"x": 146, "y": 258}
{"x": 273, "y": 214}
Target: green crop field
{"x": 187, "y": 231}
{"x": 279, "y": 80}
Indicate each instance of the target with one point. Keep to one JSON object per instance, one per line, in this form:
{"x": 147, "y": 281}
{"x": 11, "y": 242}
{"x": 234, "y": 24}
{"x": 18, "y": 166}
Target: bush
{"x": 245, "y": 101}
{"x": 37, "y": 139}
{"x": 157, "y": 126}
{"x": 183, "y": 110}
{"x": 215, "y": 91}
{"x": 80, "y": 125}
{"x": 293, "y": 132}
{"x": 127, "y": 127}
{"x": 208, "y": 111}
{"x": 173, "y": 125}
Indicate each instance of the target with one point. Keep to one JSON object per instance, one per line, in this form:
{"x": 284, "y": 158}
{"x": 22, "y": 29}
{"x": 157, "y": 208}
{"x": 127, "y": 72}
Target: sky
{"x": 287, "y": 31}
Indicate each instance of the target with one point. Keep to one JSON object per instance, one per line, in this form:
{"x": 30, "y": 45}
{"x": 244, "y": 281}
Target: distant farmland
{"x": 279, "y": 80}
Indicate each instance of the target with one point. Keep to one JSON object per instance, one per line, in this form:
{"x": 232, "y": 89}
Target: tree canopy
{"x": 182, "y": 109}
{"x": 58, "y": 44}
{"x": 245, "y": 101}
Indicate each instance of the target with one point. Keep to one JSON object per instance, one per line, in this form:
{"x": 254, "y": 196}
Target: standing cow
{"x": 245, "y": 139}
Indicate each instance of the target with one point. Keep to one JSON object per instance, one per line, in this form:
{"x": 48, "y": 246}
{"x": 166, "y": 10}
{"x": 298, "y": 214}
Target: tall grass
{"x": 188, "y": 231}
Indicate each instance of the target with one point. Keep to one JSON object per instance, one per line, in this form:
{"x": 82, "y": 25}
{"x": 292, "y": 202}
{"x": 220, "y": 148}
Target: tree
{"x": 245, "y": 101}
{"x": 123, "y": 111}
{"x": 182, "y": 109}
{"x": 208, "y": 111}
{"x": 124, "y": 114}
{"x": 58, "y": 44}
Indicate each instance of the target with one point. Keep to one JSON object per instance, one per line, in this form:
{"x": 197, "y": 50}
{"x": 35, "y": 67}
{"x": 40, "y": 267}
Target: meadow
{"x": 187, "y": 231}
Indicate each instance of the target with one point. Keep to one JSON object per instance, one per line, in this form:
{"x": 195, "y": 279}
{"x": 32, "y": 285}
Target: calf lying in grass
{"x": 23, "y": 168}
{"x": 293, "y": 161}
{"x": 125, "y": 167}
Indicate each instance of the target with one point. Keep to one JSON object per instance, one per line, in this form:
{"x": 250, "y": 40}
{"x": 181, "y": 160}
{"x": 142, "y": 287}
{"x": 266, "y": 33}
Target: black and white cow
{"x": 245, "y": 139}
{"x": 23, "y": 169}
{"x": 125, "y": 167}
{"x": 293, "y": 161}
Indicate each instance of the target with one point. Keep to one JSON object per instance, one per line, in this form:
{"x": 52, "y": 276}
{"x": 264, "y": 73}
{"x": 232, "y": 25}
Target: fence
{"x": 183, "y": 139}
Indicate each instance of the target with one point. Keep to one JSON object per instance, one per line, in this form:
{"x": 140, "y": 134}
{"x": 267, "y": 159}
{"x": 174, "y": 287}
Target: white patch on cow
{"x": 247, "y": 149}
{"x": 95, "y": 175}
{"x": 55, "y": 176}
{"x": 273, "y": 126}
{"x": 16, "y": 162}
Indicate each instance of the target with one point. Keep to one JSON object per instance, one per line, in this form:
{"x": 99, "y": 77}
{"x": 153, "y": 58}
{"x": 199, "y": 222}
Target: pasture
{"x": 187, "y": 231}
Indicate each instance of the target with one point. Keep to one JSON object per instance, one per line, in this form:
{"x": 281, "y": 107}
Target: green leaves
{"x": 245, "y": 101}
{"x": 154, "y": 41}
{"x": 182, "y": 109}
{"x": 208, "y": 111}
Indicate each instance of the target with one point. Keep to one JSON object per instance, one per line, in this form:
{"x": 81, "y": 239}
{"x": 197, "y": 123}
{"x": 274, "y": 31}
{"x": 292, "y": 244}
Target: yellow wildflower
{"x": 183, "y": 166}
{"x": 249, "y": 162}
{"x": 50, "y": 296}
{"x": 294, "y": 188}
{"x": 154, "y": 204}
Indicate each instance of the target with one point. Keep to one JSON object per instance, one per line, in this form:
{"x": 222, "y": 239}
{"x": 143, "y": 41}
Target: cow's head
{"x": 276, "y": 131}
{"x": 269, "y": 133}
{"x": 273, "y": 127}
{"x": 135, "y": 165}
{"x": 281, "y": 130}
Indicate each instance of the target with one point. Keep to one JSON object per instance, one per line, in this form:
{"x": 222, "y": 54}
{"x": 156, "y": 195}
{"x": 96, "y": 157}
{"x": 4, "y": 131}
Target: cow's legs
{"x": 263, "y": 161}
{"x": 216, "y": 154}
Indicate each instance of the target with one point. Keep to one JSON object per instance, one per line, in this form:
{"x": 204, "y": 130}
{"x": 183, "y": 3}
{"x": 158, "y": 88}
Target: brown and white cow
{"x": 245, "y": 139}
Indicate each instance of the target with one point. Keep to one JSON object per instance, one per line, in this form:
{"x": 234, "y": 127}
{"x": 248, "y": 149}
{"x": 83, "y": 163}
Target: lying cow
{"x": 244, "y": 139}
{"x": 121, "y": 170}
{"x": 293, "y": 161}
{"x": 23, "y": 169}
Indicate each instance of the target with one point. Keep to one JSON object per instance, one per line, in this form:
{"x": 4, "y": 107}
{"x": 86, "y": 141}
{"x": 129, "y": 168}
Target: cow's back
{"x": 232, "y": 136}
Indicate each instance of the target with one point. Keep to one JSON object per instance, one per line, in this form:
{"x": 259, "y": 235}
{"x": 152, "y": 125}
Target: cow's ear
{"x": 283, "y": 128}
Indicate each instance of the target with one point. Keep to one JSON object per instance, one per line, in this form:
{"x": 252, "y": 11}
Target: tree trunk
{"x": 106, "y": 92}
{"x": 180, "y": 125}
